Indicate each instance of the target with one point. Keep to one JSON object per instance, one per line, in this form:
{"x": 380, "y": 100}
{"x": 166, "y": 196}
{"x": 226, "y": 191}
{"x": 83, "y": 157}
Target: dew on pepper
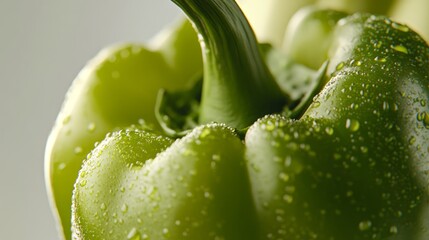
{"x": 329, "y": 130}
{"x": 365, "y": 225}
{"x": 380, "y": 59}
{"x": 400, "y": 27}
{"x": 78, "y": 150}
{"x": 133, "y": 234}
{"x": 66, "y": 120}
{"x": 386, "y": 105}
{"x": 412, "y": 140}
{"x": 82, "y": 183}
{"x": 288, "y": 198}
{"x": 399, "y": 48}
{"x": 91, "y": 127}
{"x": 352, "y": 124}
{"x": 124, "y": 208}
{"x": 393, "y": 229}
{"x": 61, "y": 166}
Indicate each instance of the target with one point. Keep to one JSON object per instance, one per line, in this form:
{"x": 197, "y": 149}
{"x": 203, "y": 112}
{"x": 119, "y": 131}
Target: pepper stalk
{"x": 238, "y": 87}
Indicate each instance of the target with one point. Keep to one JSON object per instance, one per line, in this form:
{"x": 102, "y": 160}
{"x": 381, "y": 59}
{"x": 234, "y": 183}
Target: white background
{"x": 43, "y": 45}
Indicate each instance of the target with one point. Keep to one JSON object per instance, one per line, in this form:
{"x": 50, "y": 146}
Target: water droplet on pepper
{"x": 352, "y": 125}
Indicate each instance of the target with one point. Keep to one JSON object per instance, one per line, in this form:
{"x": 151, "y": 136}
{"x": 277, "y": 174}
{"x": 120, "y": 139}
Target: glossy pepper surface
{"x": 246, "y": 157}
{"x": 115, "y": 90}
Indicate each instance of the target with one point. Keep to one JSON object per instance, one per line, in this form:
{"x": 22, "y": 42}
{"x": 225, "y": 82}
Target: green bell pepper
{"x": 270, "y": 18}
{"x": 353, "y": 166}
{"x": 115, "y": 90}
{"x": 329, "y": 142}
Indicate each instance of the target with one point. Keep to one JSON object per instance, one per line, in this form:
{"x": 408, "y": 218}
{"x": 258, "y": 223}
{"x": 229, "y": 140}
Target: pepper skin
{"x": 354, "y": 165}
{"x": 115, "y": 90}
{"x": 347, "y": 161}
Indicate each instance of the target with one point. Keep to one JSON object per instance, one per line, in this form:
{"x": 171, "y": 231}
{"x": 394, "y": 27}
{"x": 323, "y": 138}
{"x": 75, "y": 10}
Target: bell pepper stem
{"x": 238, "y": 87}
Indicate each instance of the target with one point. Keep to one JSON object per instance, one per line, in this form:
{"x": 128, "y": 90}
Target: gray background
{"x": 43, "y": 45}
